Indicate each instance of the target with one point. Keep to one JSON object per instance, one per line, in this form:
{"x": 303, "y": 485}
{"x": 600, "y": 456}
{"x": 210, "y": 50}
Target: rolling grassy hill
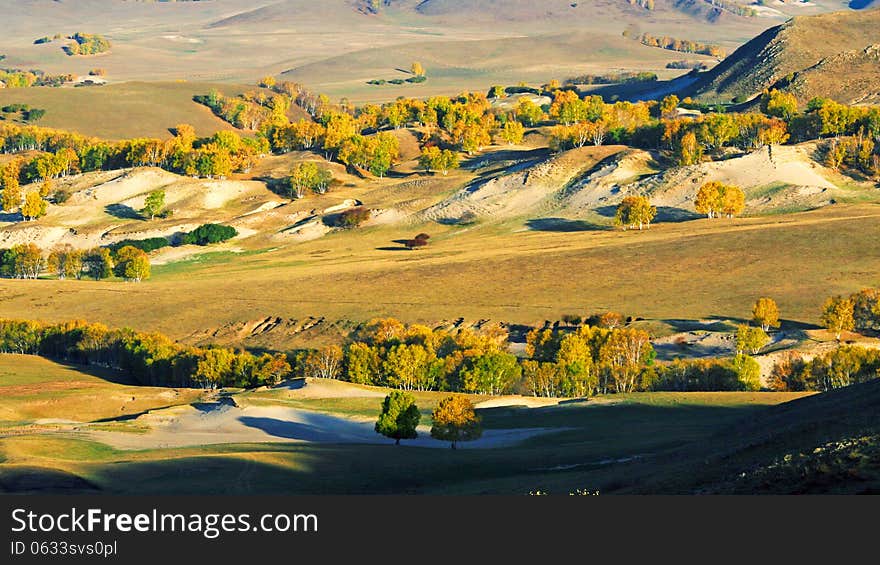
{"x": 820, "y": 54}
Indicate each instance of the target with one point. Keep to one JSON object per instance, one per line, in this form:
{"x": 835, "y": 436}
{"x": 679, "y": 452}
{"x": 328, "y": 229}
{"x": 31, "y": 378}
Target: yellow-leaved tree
{"x": 455, "y": 420}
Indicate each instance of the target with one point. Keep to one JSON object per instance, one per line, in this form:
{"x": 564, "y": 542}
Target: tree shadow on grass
{"x": 123, "y": 211}
{"x": 564, "y": 225}
{"x": 666, "y": 214}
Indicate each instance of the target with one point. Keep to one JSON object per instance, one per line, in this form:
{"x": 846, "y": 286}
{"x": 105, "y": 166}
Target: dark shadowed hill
{"x": 825, "y": 55}
{"x": 826, "y": 443}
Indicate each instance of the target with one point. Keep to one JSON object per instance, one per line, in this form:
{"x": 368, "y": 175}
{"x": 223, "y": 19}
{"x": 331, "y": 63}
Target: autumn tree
{"x": 34, "y": 207}
{"x": 668, "y": 106}
{"x": 635, "y": 211}
{"x": 837, "y": 315}
{"x": 434, "y": 159}
{"x": 65, "y": 262}
{"x": 324, "y": 363}
{"x": 765, "y": 313}
{"x": 154, "y": 203}
{"x": 733, "y": 201}
{"x": 708, "y": 199}
{"x": 688, "y": 151}
{"x": 529, "y": 113}
{"x": 455, "y": 421}
{"x": 27, "y": 261}
{"x": 309, "y": 175}
{"x": 512, "y": 132}
{"x": 750, "y": 339}
{"x": 399, "y": 417}
{"x": 779, "y": 104}
{"x": 417, "y": 69}
{"x": 716, "y": 199}
{"x": 132, "y": 264}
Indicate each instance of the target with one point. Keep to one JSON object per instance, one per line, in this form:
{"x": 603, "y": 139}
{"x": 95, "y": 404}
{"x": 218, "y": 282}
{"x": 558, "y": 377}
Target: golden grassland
{"x": 124, "y": 110}
{"x": 692, "y": 270}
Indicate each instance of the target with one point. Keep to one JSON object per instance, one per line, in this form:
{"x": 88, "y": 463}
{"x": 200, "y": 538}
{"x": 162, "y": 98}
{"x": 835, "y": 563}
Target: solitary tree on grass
{"x": 837, "y": 315}
{"x": 154, "y": 203}
{"x": 399, "y": 418}
{"x": 455, "y": 421}
{"x": 766, "y": 313}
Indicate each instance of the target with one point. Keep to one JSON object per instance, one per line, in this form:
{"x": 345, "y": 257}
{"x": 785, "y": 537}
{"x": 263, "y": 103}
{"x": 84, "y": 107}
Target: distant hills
{"x": 834, "y": 55}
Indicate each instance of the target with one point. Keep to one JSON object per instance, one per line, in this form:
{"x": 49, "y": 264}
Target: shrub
{"x": 208, "y": 234}
{"x": 353, "y": 217}
{"x": 146, "y": 245}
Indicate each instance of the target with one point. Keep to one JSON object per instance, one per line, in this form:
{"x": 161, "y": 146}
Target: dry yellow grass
{"x": 686, "y": 270}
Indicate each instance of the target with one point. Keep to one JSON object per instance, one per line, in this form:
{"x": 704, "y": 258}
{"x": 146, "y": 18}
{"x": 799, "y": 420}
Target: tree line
{"x": 151, "y": 359}
{"x": 28, "y": 261}
{"x": 127, "y": 259}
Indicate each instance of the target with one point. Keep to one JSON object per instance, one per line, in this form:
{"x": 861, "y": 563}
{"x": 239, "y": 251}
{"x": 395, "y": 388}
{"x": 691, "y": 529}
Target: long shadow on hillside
{"x": 123, "y": 211}
{"x": 505, "y": 155}
{"x": 588, "y": 434}
{"x": 667, "y": 214}
{"x": 564, "y": 225}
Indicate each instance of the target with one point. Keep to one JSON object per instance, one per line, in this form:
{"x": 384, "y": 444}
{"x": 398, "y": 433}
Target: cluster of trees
{"x": 388, "y": 353}
{"x": 17, "y": 78}
{"x": 858, "y": 152}
{"x": 740, "y": 373}
{"x": 150, "y": 358}
{"x": 306, "y": 176}
{"x": 208, "y": 234}
{"x": 375, "y": 153}
{"x": 688, "y": 140}
{"x": 24, "y": 111}
{"x": 86, "y": 44}
{"x": 64, "y": 153}
{"x": 435, "y": 159}
{"x": 591, "y": 120}
{"x": 682, "y": 45}
{"x": 454, "y": 419}
{"x": 716, "y": 199}
{"x": 250, "y": 111}
{"x": 635, "y": 212}
{"x": 614, "y": 78}
{"x": 843, "y": 366}
{"x": 28, "y": 261}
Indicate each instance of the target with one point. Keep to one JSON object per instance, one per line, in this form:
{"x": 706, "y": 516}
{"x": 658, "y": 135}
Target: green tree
{"x": 399, "y": 417}
{"x": 455, "y": 421}
{"x": 750, "y": 339}
{"x": 748, "y": 371}
{"x": 493, "y": 373}
{"x": 154, "y": 203}
{"x": 837, "y": 315}
{"x": 529, "y": 113}
{"x": 98, "y": 263}
{"x": 766, "y": 313}
{"x": 362, "y": 363}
